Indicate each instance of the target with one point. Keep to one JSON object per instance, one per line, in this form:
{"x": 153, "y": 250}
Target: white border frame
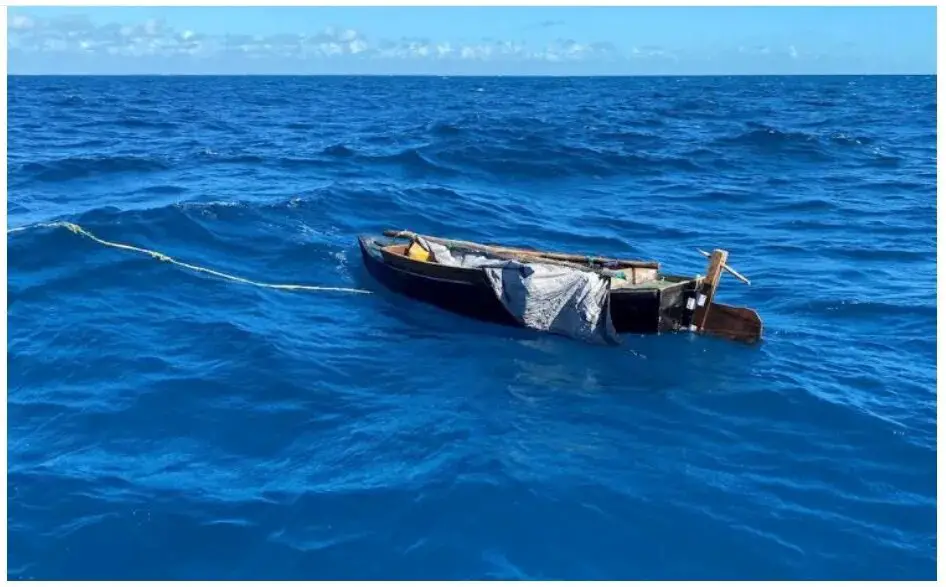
{"x": 940, "y": 215}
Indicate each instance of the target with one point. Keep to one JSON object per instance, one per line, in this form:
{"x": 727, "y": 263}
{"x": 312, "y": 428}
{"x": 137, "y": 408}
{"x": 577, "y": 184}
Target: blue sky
{"x": 472, "y": 40}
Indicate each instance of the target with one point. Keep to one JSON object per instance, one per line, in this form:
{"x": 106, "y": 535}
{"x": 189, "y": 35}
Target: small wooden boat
{"x": 641, "y": 300}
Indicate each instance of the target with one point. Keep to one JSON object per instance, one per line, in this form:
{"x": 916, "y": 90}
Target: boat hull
{"x": 467, "y": 292}
{"x": 463, "y": 291}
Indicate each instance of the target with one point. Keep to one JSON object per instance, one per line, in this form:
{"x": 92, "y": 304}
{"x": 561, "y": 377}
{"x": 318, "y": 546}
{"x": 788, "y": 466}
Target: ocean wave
{"x": 164, "y": 189}
{"x": 234, "y": 159}
{"x": 864, "y": 309}
{"x": 70, "y": 100}
{"x": 802, "y": 205}
{"x": 338, "y": 150}
{"x": 768, "y": 137}
{"x": 543, "y": 161}
{"x": 411, "y": 159}
{"x": 157, "y": 409}
{"x": 445, "y": 129}
{"x": 139, "y": 121}
{"x": 68, "y": 168}
{"x": 841, "y": 138}
{"x": 144, "y": 123}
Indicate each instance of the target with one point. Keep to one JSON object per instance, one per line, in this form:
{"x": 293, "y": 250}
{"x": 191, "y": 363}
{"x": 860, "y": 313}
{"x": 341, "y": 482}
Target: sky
{"x": 627, "y": 40}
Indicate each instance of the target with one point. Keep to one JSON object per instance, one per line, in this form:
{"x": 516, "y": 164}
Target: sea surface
{"x": 167, "y": 424}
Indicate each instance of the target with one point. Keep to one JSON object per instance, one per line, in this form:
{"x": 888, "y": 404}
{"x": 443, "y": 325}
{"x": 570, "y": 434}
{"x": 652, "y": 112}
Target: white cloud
{"x": 792, "y": 52}
{"x": 753, "y": 50}
{"x": 469, "y": 52}
{"x": 149, "y": 41}
{"x": 19, "y": 22}
{"x": 652, "y": 51}
{"x": 154, "y": 37}
{"x": 152, "y": 27}
{"x": 330, "y": 49}
{"x": 571, "y": 50}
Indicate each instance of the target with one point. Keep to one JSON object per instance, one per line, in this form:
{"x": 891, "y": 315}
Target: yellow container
{"x": 417, "y": 252}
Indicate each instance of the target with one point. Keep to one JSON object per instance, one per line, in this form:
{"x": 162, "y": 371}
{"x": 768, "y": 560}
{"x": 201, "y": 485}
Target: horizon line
{"x": 470, "y": 75}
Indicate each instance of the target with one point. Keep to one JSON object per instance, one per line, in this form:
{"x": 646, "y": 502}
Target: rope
{"x": 76, "y": 229}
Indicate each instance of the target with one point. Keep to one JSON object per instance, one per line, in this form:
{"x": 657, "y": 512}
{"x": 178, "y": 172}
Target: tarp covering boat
{"x": 541, "y": 296}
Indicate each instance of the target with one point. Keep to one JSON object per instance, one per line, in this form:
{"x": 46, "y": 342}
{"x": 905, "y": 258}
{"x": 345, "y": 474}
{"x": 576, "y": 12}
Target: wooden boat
{"x": 642, "y": 299}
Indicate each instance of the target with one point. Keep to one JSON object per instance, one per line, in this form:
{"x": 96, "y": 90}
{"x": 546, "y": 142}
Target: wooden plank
{"x": 708, "y": 290}
{"x": 733, "y": 323}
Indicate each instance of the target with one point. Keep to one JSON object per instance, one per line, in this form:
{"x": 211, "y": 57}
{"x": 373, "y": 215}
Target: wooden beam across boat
{"x": 499, "y": 250}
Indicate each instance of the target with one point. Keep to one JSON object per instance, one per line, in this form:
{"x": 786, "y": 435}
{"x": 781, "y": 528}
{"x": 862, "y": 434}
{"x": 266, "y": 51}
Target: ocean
{"x": 168, "y": 424}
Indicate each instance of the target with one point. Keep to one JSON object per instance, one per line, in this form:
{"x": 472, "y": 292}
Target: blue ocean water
{"x": 164, "y": 424}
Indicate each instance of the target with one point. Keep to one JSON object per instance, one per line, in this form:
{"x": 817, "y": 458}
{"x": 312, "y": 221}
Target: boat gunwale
{"x": 474, "y": 276}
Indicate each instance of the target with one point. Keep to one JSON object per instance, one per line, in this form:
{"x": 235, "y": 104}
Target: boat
{"x": 639, "y": 298}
